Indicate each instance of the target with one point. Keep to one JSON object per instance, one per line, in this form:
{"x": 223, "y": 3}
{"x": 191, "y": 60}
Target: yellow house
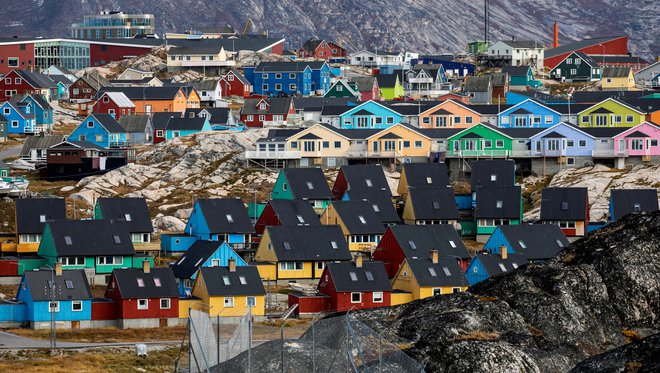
{"x": 618, "y": 78}
{"x": 449, "y": 114}
{"x": 299, "y": 252}
{"x": 400, "y": 140}
{"x": 430, "y": 206}
{"x": 230, "y": 291}
{"x": 318, "y": 142}
{"x": 31, "y": 218}
{"x": 427, "y": 277}
{"x": 359, "y": 222}
{"x": 422, "y": 175}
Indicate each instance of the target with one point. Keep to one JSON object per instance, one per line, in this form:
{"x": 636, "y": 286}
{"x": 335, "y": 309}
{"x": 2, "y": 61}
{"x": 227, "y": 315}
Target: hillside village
{"x": 145, "y": 180}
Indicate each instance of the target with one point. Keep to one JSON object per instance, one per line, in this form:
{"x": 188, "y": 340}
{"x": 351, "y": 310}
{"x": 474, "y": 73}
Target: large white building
{"x": 518, "y": 53}
{"x": 376, "y": 58}
{"x": 113, "y": 25}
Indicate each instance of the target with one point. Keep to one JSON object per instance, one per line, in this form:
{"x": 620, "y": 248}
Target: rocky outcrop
{"x": 639, "y": 356}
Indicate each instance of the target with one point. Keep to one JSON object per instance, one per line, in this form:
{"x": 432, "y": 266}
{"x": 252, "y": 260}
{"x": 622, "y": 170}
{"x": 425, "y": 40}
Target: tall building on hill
{"x": 113, "y": 25}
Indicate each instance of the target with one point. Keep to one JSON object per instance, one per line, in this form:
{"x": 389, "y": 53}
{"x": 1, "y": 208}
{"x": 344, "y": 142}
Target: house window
{"x": 570, "y": 161}
{"x": 251, "y": 301}
{"x": 320, "y": 266}
{"x": 569, "y": 61}
{"x": 143, "y": 304}
{"x": 291, "y": 266}
{"x": 292, "y": 75}
{"x": 54, "y": 306}
{"x": 165, "y": 303}
{"x": 499, "y": 143}
{"x": 337, "y": 144}
{"x": 630, "y": 118}
{"x": 468, "y": 120}
{"x": 356, "y": 297}
{"x": 250, "y": 118}
{"x": 229, "y": 302}
{"x": 262, "y": 118}
{"x": 378, "y": 297}
{"x": 488, "y": 143}
{"x": 76, "y": 306}
{"x": 90, "y": 124}
{"x": 278, "y": 87}
{"x": 159, "y": 133}
{"x": 264, "y": 87}
{"x": 110, "y": 260}
{"x": 390, "y": 120}
{"x": 292, "y": 87}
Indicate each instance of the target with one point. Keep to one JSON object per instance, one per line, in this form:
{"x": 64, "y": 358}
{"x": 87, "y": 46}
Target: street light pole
{"x": 53, "y": 335}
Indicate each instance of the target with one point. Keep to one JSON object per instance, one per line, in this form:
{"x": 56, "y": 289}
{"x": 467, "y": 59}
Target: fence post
{"x": 218, "y": 331}
{"x": 380, "y": 352}
{"x": 282, "y": 346}
{"x": 313, "y": 348}
{"x": 249, "y": 336}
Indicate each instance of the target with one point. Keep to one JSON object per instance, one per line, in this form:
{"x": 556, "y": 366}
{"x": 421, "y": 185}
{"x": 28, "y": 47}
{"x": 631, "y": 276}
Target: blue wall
{"x": 97, "y": 129}
{"x": 496, "y": 240}
{"x": 13, "y": 312}
{"x": 480, "y": 275}
{"x": 176, "y": 242}
{"x": 43, "y": 117}
{"x": 38, "y": 311}
{"x": 306, "y": 80}
{"x": 571, "y": 134}
{"x": 377, "y": 119}
{"x": 12, "y": 113}
{"x": 536, "y": 109}
{"x": 224, "y": 253}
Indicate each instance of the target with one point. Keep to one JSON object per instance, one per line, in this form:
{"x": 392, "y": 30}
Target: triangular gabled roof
{"x": 635, "y": 129}
{"x": 528, "y": 100}
{"x": 344, "y": 83}
{"x": 318, "y": 125}
{"x": 357, "y": 108}
{"x": 564, "y": 124}
{"x": 453, "y": 101}
{"x": 491, "y": 127}
{"x": 616, "y": 101}
{"x": 406, "y": 126}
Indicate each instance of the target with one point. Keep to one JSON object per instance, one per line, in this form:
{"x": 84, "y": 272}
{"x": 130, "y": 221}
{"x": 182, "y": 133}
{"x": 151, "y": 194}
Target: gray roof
{"x": 36, "y": 80}
{"x": 186, "y": 124}
{"x": 387, "y": 80}
{"x": 29, "y": 212}
{"x": 535, "y": 242}
{"x": 491, "y": 262}
{"x": 132, "y": 211}
{"x": 564, "y": 204}
{"x": 279, "y": 134}
{"x": 157, "y": 283}
{"x": 358, "y": 217}
{"x": 566, "y": 48}
{"x": 289, "y": 66}
{"x": 300, "y": 244}
{"x": 301, "y": 103}
{"x": 109, "y": 123}
{"x": 134, "y": 123}
{"x": 160, "y": 120}
{"x": 433, "y": 203}
{"x": 276, "y": 106}
{"x": 587, "y": 59}
{"x": 364, "y": 83}
{"x": 382, "y": 201}
{"x": 445, "y": 272}
{"x": 91, "y": 238}
{"x": 205, "y": 46}
{"x": 240, "y": 77}
{"x": 605, "y": 132}
{"x": 618, "y": 59}
{"x": 508, "y": 198}
{"x": 371, "y": 276}
{"x": 205, "y": 85}
{"x": 95, "y": 80}
{"x": 417, "y": 241}
{"x": 291, "y": 212}
{"x": 516, "y": 70}
{"x": 219, "y": 115}
{"x": 216, "y": 211}
{"x": 426, "y": 175}
{"x": 215, "y": 282}
{"x": 307, "y": 183}
{"x": 199, "y": 252}
{"x": 363, "y": 177}
{"x": 520, "y": 133}
{"x": 477, "y": 84}
{"x": 616, "y": 72}
{"x": 492, "y": 173}
{"x": 623, "y": 201}
{"x": 40, "y": 286}
{"x": 140, "y": 93}
{"x": 40, "y": 142}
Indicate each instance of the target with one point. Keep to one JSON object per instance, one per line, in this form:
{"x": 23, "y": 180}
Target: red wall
{"x": 104, "y": 310}
{"x": 278, "y": 48}
{"x": 309, "y": 305}
{"x": 8, "y": 267}
{"x": 389, "y": 252}
{"x": 112, "y": 53}
{"x": 22, "y": 88}
{"x": 613, "y": 47}
{"x": 234, "y": 88}
{"x": 81, "y": 94}
{"x": 25, "y": 56}
{"x": 159, "y": 139}
{"x": 128, "y": 309}
{"x": 341, "y": 301}
{"x": 340, "y": 186}
{"x": 102, "y": 108}
{"x": 255, "y": 122}
{"x": 267, "y": 218}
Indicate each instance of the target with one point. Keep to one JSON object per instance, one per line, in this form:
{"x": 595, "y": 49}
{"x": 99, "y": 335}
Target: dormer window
{"x": 42, "y": 218}
{"x": 300, "y": 219}
{"x": 262, "y": 106}
{"x": 375, "y": 207}
{"x": 522, "y": 244}
{"x": 310, "y": 185}
{"x": 499, "y": 204}
{"x": 369, "y": 183}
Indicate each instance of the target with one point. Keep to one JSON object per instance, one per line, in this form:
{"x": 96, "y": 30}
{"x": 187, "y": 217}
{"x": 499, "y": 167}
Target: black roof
{"x": 493, "y": 263}
{"x": 365, "y": 177}
{"x": 417, "y": 241}
{"x": 554, "y": 135}
{"x": 535, "y": 242}
{"x": 275, "y": 106}
{"x": 494, "y": 172}
{"x": 132, "y": 211}
{"x": 359, "y": 217}
{"x": 140, "y": 93}
{"x": 245, "y": 280}
{"x": 498, "y": 202}
{"x": 380, "y": 201}
{"x": 433, "y": 203}
{"x": 109, "y": 123}
{"x": 426, "y": 175}
{"x": 40, "y": 288}
{"x": 564, "y": 204}
{"x": 445, "y": 272}
{"x": 185, "y": 124}
{"x": 593, "y": 97}
{"x": 439, "y": 133}
{"x": 135, "y": 283}
{"x": 301, "y": 103}
{"x": 91, "y": 238}
{"x": 161, "y": 119}
{"x": 291, "y": 212}
{"x": 219, "y": 115}
{"x": 371, "y": 276}
{"x": 279, "y": 134}
{"x": 299, "y": 244}
{"x": 29, "y": 212}
{"x": 488, "y": 109}
{"x": 516, "y": 70}
{"x": 134, "y": 123}
{"x": 386, "y": 80}
{"x": 623, "y": 201}
{"x": 607, "y": 132}
{"x": 520, "y": 133}
{"x": 307, "y": 183}
{"x": 194, "y": 257}
{"x": 218, "y": 211}
{"x": 637, "y": 134}
{"x": 289, "y": 66}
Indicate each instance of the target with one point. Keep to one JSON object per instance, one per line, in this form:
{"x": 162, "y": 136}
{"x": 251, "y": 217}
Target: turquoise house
{"x": 486, "y": 265}
{"x": 202, "y": 254}
{"x": 19, "y": 118}
{"x": 41, "y": 109}
{"x": 308, "y": 184}
{"x": 178, "y": 127}
{"x": 370, "y": 114}
{"x": 528, "y": 114}
{"x": 102, "y": 130}
{"x": 521, "y": 77}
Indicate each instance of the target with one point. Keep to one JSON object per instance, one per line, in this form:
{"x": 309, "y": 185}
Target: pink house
{"x": 642, "y": 140}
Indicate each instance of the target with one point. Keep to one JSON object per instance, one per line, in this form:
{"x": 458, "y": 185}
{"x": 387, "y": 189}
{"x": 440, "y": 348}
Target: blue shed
{"x": 19, "y": 120}
{"x": 176, "y": 243}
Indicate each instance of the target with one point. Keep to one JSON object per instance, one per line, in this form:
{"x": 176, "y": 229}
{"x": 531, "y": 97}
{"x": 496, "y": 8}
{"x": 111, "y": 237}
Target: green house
{"x": 521, "y": 76}
{"x": 98, "y": 246}
{"x": 480, "y": 140}
{"x": 308, "y": 184}
{"x": 610, "y": 113}
{"x": 343, "y": 88}
{"x": 577, "y": 67}
{"x": 496, "y": 206}
{"x": 390, "y": 86}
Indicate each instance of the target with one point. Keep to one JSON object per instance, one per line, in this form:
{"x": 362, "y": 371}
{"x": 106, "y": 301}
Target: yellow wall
{"x": 305, "y": 273}
{"x": 408, "y": 213}
{"x": 27, "y": 247}
{"x": 402, "y": 189}
{"x": 272, "y": 271}
{"x": 619, "y": 83}
{"x": 400, "y": 298}
{"x": 267, "y": 271}
{"x": 409, "y": 284}
{"x": 8, "y": 247}
{"x": 215, "y": 305}
{"x": 158, "y": 106}
{"x": 185, "y": 304}
{"x": 579, "y": 228}
{"x": 406, "y": 134}
{"x": 325, "y": 135}
{"x": 219, "y": 57}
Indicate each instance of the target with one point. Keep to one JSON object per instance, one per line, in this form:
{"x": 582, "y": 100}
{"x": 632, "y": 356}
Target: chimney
{"x": 434, "y": 256}
{"x": 555, "y": 42}
{"x": 358, "y": 261}
{"x": 503, "y": 252}
{"x": 232, "y": 264}
{"x": 58, "y": 269}
{"x": 145, "y": 266}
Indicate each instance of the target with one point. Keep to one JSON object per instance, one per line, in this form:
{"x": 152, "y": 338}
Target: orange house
{"x": 192, "y": 98}
{"x": 156, "y": 99}
{"x": 449, "y": 114}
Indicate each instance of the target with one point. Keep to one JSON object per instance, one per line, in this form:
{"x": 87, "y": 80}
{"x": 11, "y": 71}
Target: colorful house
{"x": 566, "y": 143}
{"x": 577, "y": 67}
{"x": 267, "y": 112}
{"x": 43, "y": 112}
{"x": 402, "y": 242}
{"x": 230, "y": 291}
{"x": 32, "y": 215}
{"x": 427, "y": 206}
{"x": 480, "y": 140}
{"x": 317, "y": 49}
{"x": 380, "y": 201}
{"x": 521, "y": 77}
{"x": 101, "y": 130}
{"x": 536, "y": 242}
{"x": 422, "y": 175}
{"x": 290, "y": 253}
{"x": 160, "y": 121}
{"x": 610, "y": 113}
{"x": 342, "y": 88}
{"x": 235, "y": 84}
{"x": 293, "y": 213}
{"x": 449, "y": 114}
{"x": 114, "y": 103}
{"x": 391, "y": 87}
{"x": 23, "y": 82}
{"x": 639, "y": 141}
{"x": 202, "y": 254}
{"x": 305, "y": 78}
{"x": 359, "y": 178}
{"x": 17, "y": 119}
{"x": 528, "y": 114}
{"x": 618, "y": 78}
{"x": 629, "y": 201}
{"x": 317, "y": 145}
{"x": 221, "y": 219}
{"x": 401, "y": 142}
{"x": 133, "y": 212}
{"x": 486, "y": 265}
{"x": 370, "y": 114}
{"x": 64, "y": 293}
{"x": 178, "y": 127}
{"x": 87, "y": 86}
{"x": 359, "y": 222}
{"x": 496, "y": 206}
{"x": 144, "y": 297}
{"x": 428, "y": 277}
{"x": 308, "y": 184}
{"x": 367, "y": 86}
{"x": 139, "y": 128}
{"x": 566, "y": 207}
{"x": 149, "y": 100}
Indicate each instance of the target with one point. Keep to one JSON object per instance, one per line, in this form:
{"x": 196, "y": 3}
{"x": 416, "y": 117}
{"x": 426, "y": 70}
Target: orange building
{"x": 449, "y": 114}
{"x": 157, "y": 99}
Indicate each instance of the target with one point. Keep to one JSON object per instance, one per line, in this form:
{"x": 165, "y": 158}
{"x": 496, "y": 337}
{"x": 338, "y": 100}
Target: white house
{"x": 135, "y": 74}
{"x": 518, "y": 53}
{"x": 649, "y": 77}
{"x": 376, "y": 58}
{"x": 210, "y": 92}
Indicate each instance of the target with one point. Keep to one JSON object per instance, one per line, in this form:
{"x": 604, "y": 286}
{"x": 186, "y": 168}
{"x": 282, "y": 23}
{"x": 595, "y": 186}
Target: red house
{"x": 416, "y": 241}
{"x": 605, "y": 46}
{"x": 235, "y": 84}
{"x": 115, "y": 104}
{"x": 267, "y": 112}
{"x": 147, "y": 297}
{"x": 159, "y": 121}
{"x": 295, "y": 213}
{"x": 317, "y": 49}
{"x": 337, "y": 50}
{"x": 25, "y": 82}
{"x": 86, "y": 87}
{"x": 368, "y": 88}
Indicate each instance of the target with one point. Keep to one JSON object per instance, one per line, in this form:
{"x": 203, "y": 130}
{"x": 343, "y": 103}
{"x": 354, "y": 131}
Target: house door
{"x": 309, "y": 146}
{"x": 601, "y": 120}
{"x": 441, "y": 121}
{"x": 390, "y": 145}
{"x": 375, "y": 146}
{"x": 75, "y": 324}
{"x": 622, "y": 146}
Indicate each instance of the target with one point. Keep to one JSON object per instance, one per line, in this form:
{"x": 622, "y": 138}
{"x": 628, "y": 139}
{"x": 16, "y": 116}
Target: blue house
{"x": 453, "y": 69}
{"x": 521, "y": 77}
{"x": 221, "y": 219}
{"x": 484, "y": 266}
{"x": 528, "y": 114}
{"x": 72, "y": 297}
{"x": 513, "y": 98}
{"x": 628, "y": 201}
{"x": 177, "y": 127}
{"x": 102, "y": 130}
{"x": 370, "y": 114}
{"x": 41, "y": 109}
{"x": 19, "y": 119}
{"x": 302, "y": 78}
{"x": 202, "y": 254}
{"x": 562, "y": 140}
{"x": 536, "y": 243}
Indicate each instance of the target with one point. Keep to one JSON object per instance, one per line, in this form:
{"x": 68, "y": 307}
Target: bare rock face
{"x": 640, "y": 356}
{"x": 168, "y": 224}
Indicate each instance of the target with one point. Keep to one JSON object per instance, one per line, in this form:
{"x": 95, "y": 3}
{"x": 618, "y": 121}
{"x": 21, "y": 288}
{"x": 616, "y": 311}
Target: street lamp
{"x": 51, "y": 309}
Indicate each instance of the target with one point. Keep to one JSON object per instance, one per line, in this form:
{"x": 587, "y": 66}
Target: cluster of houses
{"x": 355, "y": 245}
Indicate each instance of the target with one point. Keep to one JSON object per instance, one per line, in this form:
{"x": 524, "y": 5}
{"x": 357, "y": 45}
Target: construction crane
{"x": 247, "y": 26}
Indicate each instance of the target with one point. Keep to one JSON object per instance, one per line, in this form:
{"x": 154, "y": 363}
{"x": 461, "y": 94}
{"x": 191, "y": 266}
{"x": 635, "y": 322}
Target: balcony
{"x": 207, "y": 63}
{"x": 257, "y": 154}
{"x": 607, "y": 153}
{"x": 478, "y": 153}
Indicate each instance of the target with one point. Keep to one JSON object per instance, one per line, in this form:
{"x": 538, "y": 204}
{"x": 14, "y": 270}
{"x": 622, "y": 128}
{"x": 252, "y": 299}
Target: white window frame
{"x": 74, "y": 303}
{"x": 360, "y": 297}
{"x": 169, "y": 303}
{"x": 228, "y": 302}
{"x": 143, "y": 307}
{"x": 254, "y": 301}
{"x": 377, "y": 296}
{"x": 55, "y": 309}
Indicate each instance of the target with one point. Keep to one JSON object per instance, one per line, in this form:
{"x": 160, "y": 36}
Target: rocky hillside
{"x": 428, "y": 26}
{"x": 639, "y": 356}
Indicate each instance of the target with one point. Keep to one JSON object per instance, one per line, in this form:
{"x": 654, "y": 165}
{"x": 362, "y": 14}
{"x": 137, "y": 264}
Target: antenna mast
{"x": 486, "y": 21}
